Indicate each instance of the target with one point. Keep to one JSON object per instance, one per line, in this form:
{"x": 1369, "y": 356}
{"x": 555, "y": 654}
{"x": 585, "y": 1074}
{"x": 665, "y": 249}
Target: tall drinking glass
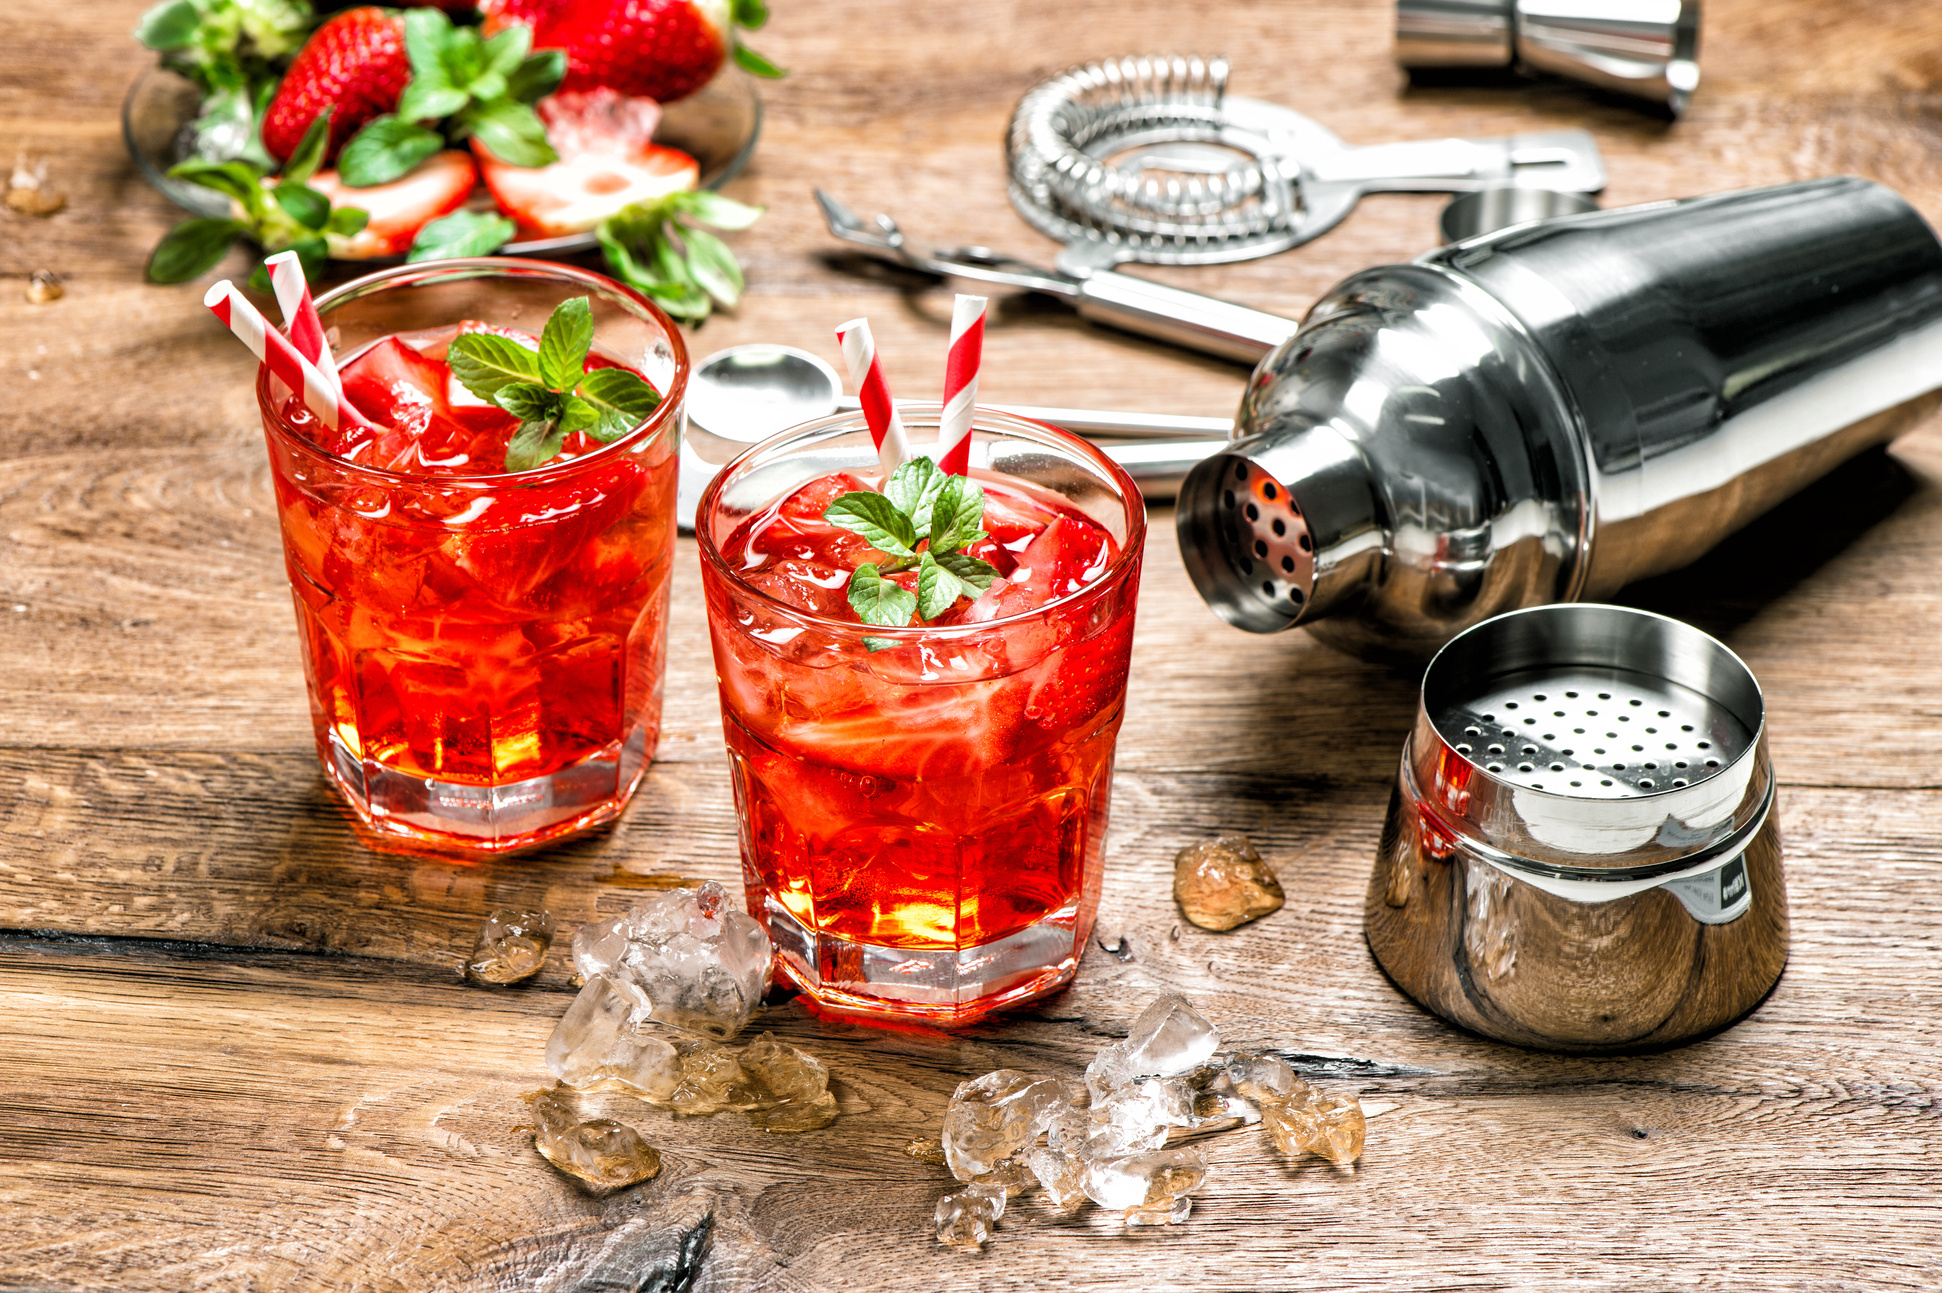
{"x": 923, "y": 809}
{"x": 484, "y": 651}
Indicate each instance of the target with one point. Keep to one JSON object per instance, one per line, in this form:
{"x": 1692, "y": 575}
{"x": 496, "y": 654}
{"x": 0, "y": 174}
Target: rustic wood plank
{"x": 238, "y": 1053}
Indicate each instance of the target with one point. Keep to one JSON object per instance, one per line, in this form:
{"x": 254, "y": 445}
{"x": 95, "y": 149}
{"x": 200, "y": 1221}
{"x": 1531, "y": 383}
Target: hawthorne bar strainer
{"x": 1581, "y": 851}
{"x": 1150, "y": 159}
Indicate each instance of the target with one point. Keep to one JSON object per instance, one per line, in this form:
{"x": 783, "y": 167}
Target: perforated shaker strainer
{"x": 1150, "y": 159}
{"x": 1581, "y": 852}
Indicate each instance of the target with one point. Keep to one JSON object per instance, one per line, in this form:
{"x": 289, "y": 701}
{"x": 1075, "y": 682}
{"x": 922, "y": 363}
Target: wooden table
{"x": 234, "y": 1051}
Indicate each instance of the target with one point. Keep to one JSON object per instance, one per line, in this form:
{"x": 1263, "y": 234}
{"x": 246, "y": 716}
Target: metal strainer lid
{"x": 1591, "y": 737}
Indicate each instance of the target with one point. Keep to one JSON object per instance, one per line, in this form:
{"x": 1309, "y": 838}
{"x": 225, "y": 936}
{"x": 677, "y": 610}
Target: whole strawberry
{"x": 652, "y": 49}
{"x": 355, "y": 64}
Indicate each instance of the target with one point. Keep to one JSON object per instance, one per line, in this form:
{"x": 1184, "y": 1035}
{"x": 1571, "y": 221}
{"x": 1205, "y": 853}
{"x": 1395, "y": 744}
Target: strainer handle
{"x": 1188, "y": 319}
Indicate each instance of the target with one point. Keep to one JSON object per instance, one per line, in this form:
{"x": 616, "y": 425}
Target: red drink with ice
{"x": 923, "y": 808}
{"x": 484, "y": 648}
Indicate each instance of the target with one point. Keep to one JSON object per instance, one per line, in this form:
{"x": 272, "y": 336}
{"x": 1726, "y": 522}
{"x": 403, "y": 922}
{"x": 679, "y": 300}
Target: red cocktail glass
{"x": 484, "y": 651}
{"x": 923, "y": 813}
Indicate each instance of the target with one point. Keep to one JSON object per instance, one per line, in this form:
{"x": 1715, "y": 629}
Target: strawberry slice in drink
{"x": 407, "y": 393}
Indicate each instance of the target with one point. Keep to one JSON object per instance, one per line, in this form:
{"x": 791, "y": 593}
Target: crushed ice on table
{"x": 1224, "y": 883}
{"x": 1168, "y": 1039}
{"x": 993, "y": 1117}
{"x": 964, "y": 1216}
{"x": 666, "y": 984}
{"x": 791, "y": 1088}
{"x": 599, "y": 1043}
{"x": 1106, "y": 1142}
{"x": 600, "y": 1153}
{"x": 511, "y": 946}
{"x": 687, "y": 958}
{"x": 1309, "y": 1122}
{"x": 1147, "y": 1189}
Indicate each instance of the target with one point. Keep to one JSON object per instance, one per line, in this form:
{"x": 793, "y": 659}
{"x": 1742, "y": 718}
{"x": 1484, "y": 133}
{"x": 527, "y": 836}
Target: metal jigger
{"x": 1645, "y": 48}
{"x": 1549, "y": 412}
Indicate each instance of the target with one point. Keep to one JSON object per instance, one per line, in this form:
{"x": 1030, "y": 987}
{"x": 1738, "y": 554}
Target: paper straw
{"x": 873, "y": 393}
{"x": 282, "y": 359}
{"x": 300, "y": 314}
{"x": 961, "y": 384}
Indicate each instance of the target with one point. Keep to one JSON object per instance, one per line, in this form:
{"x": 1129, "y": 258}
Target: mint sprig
{"x": 479, "y": 86}
{"x": 750, "y": 14}
{"x": 551, "y": 391}
{"x": 660, "y": 248}
{"x": 923, "y": 520}
{"x": 288, "y": 215}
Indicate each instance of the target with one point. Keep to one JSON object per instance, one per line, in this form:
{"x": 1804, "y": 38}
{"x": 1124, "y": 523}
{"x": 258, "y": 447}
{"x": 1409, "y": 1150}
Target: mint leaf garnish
{"x": 921, "y": 519}
{"x": 564, "y": 343}
{"x": 914, "y": 487}
{"x": 619, "y": 397}
{"x": 937, "y": 588}
{"x": 881, "y": 523}
{"x": 552, "y": 392}
{"x": 484, "y": 362}
{"x": 955, "y": 514}
{"x": 878, "y": 601}
{"x": 533, "y": 444}
{"x": 974, "y": 574}
{"x": 529, "y": 401}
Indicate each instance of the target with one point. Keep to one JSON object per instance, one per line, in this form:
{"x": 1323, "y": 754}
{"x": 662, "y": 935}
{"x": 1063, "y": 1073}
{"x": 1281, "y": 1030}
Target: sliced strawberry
{"x": 354, "y": 64}
{"x": 437, "y": 186}
{"x": 607, "y": 161}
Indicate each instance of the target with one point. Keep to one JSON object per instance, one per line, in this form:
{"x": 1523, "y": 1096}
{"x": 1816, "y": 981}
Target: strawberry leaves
{"x": 659, "y": 248}
{"x": 922, "y": 520}
{"x": 289, "y": 215}
{"x": 477, "y": 85}
{"x": 551, "y": 391}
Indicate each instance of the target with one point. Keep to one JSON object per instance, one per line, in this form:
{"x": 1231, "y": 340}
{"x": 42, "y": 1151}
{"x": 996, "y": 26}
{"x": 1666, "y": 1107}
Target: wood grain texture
{"x": 237, "y": 1054}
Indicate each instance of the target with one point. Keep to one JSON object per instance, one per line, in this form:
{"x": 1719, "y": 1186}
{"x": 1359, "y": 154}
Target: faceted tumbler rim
{"x": 924, "y": 414}
{"x": 665, "y": 416}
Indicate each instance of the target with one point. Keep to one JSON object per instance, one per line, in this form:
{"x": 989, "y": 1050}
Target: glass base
{"x": 945, "y": 986}
{"x": 412, "y": 814}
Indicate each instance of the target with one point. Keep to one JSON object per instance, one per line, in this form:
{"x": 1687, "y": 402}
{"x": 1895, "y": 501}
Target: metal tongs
{"x": 1104, "y": 295}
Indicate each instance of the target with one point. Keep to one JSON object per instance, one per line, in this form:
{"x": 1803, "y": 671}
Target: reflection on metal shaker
{"x": 1549, "y": 412}
{"x": 1582, "y": 852}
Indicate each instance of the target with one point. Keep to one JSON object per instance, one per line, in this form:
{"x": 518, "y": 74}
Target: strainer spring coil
{"x": 1065, "y": 130}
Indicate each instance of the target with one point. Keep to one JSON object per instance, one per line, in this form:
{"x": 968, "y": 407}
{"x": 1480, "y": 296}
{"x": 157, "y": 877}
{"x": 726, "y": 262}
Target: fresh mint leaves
{"x": 287, "y": 215}
{"x": 480, "y": 86}
{"x": 659, "y": 248}
{"x": 923, "y": 520}
{"x": 462, "y": 233}
{"x": 551, "y": 391}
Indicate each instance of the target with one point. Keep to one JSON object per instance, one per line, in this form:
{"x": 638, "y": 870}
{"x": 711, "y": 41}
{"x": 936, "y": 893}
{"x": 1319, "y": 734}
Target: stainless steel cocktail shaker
{"x": 1549, "y": 412}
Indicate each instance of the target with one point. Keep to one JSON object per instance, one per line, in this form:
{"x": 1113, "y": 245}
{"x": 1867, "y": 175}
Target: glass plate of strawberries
{"x": 526, "y": 126}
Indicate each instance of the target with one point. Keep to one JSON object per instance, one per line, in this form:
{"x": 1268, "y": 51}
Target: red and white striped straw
{"x": 961, "y": 385}
{"x": 873, "y": 393}
{"x": 300, "y": 318}
{"x": 275, "y": 351}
